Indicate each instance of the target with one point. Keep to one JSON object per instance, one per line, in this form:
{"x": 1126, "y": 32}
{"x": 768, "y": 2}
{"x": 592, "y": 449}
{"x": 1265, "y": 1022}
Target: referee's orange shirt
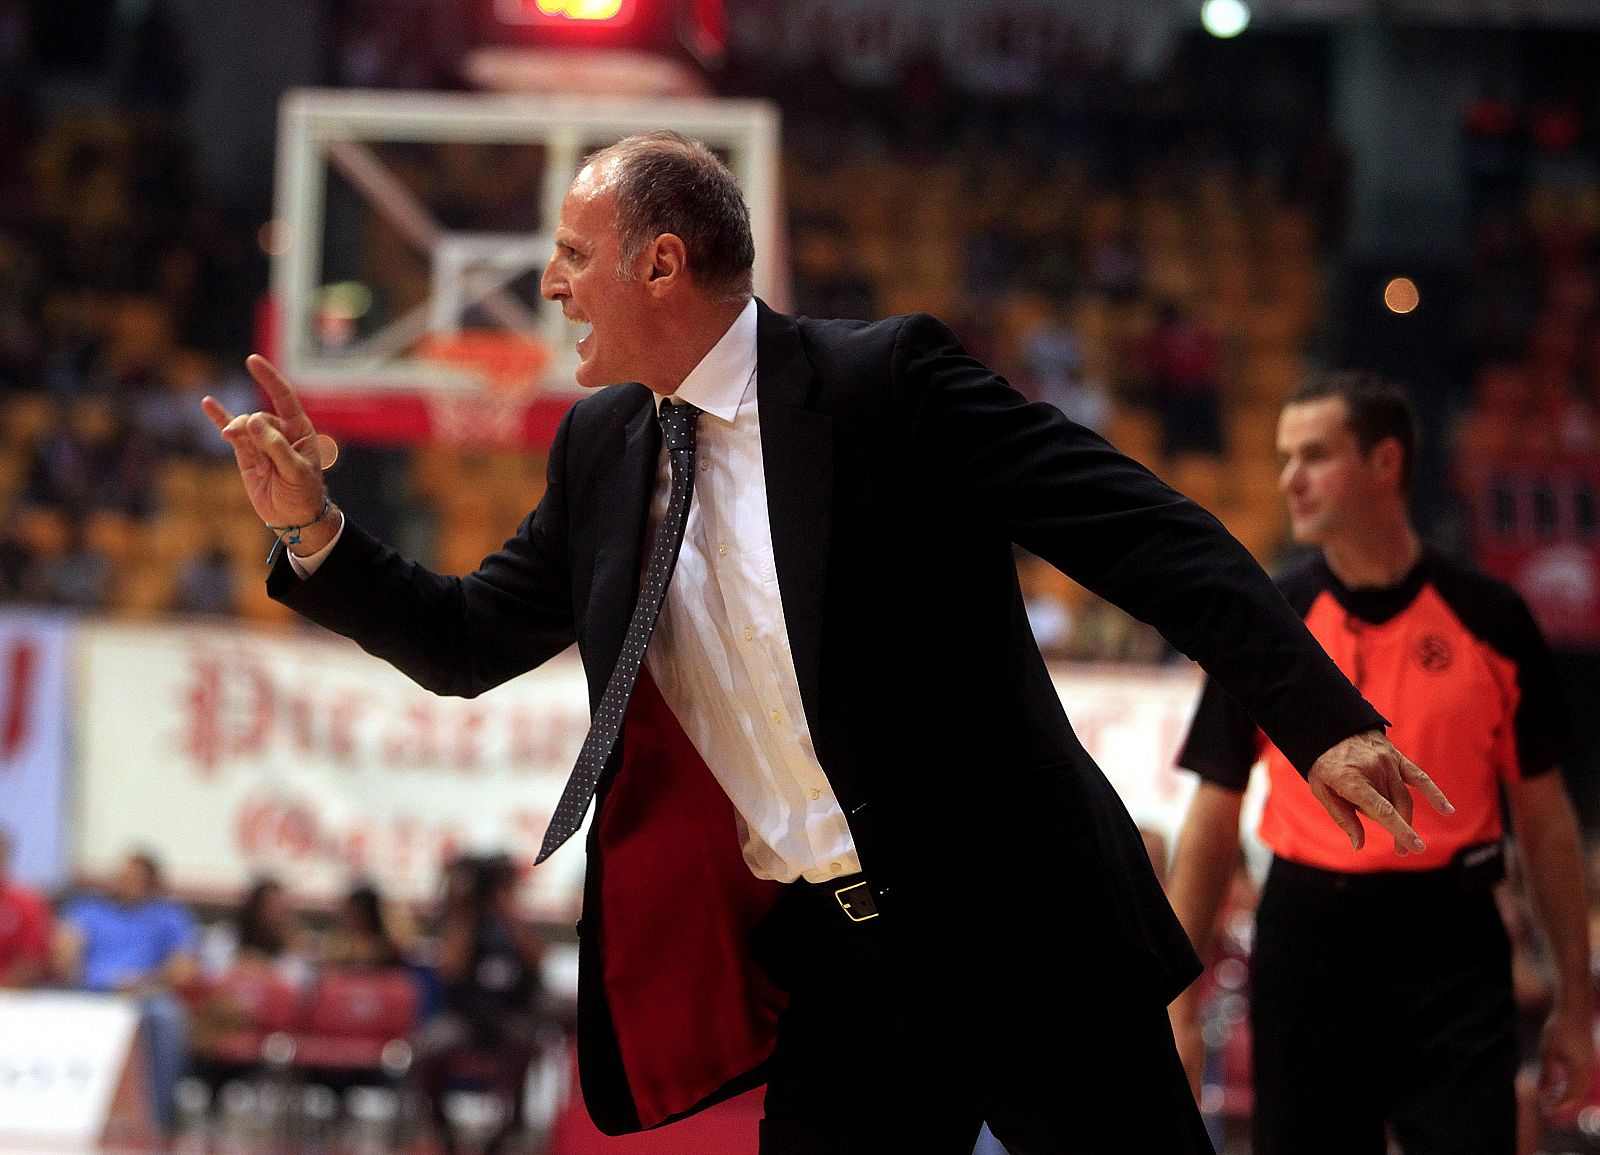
{"x": 1454, "y": 660}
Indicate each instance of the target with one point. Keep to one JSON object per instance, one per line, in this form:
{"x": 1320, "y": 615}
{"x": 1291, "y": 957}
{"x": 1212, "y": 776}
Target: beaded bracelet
{"x": 290, "y": 534}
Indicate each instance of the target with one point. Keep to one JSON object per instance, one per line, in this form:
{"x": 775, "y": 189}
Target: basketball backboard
{"x": 410, "y": 234}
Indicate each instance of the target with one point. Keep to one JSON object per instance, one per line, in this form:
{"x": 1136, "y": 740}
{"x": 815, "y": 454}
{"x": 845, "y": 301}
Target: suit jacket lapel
{"x": 625, "y": 505}
{"x": 797, "y": 451}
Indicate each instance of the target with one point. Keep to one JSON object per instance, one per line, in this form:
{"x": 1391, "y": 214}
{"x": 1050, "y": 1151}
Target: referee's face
{"x": 1327, "y": 481}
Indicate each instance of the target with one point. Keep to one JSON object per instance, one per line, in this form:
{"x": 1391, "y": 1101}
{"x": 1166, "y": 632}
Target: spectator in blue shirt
{"x": 133, "y": 940}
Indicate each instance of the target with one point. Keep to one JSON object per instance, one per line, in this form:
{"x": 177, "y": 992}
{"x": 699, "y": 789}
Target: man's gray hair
{"x": 668, "y": 183}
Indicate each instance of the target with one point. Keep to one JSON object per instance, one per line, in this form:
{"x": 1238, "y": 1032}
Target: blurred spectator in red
{"x": 1555, "y": 129}
{"x": 489, "y": 978}
{"x": 1500, "y": 406}
{"x": 133, "y": 940}
{"x": 364, "y": 934}
{"x": 1182, "y": 361}
{"x": 24, "y": 928}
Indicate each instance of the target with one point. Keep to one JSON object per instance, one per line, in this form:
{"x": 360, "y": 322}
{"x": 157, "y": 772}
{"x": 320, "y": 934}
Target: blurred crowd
{"x": 1533, "y": 176}
{"x": 125, "y": 292}
{"x": 1152, "y": 253}
{"x": 365, "y": 993}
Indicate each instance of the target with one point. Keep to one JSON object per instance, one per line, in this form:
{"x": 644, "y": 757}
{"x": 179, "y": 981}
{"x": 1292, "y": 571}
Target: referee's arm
{"x": 1547, "y": 831}
{"x": 1202, "y": 869}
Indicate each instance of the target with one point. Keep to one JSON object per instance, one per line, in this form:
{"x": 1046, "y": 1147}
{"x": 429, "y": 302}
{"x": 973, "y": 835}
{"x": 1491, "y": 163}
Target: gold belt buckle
{"x": 869, "y": 906}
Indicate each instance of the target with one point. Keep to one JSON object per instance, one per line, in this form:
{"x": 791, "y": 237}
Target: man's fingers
{"x": 285, "y": 402}
{"x": 276, "y": 446}
{"x": 216, "y": 411}
{"x": 1414, "y": 777}
{"x": 1396, "y": 792}
{"x": 236, "y": 434}
{"x": 1378, "y": 808}
{"x": 1344, "y": 813}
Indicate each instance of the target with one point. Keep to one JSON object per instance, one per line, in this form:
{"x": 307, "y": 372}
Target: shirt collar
{"x": 1380, "y": 604}
{"x": 718, "y": 384}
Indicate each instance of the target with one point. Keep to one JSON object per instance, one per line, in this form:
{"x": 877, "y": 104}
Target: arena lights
{"x": 1400, "y": 295}
{"x": 1225, "y": 19}
{"x": 580, "y": 9}
{"x": 568, "y": 12}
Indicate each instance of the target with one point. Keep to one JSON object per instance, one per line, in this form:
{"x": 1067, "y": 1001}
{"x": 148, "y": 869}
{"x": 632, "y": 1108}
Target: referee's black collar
{"x": 1378, "y": 604}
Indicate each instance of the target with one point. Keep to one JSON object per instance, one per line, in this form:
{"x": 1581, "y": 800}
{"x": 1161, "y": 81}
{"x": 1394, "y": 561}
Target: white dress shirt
{"x": 720, "y": 651}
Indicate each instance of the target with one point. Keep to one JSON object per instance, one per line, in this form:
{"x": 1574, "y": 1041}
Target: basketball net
{"x": 508, "y": 367}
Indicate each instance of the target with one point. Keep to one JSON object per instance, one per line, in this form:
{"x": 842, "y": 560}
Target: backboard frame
{"x": 323, "y": 129}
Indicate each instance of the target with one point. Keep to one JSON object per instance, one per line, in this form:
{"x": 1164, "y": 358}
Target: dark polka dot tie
{"x": 677, "y": 429}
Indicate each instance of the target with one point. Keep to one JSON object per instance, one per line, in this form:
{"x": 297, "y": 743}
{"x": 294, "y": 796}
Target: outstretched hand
{"x": 279, "y": 457}
{"x": 1566, "y": 1058}
{"x": 1365, "y": 774}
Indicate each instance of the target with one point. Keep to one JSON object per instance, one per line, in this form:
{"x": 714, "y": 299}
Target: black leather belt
{"x": 1474, "y": 869}
{"x": 851, "y": 893}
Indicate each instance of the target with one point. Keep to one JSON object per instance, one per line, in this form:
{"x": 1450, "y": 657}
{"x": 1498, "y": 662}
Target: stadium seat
{"x": 261, "y": 1002}
{"x": 357, "y": 1021}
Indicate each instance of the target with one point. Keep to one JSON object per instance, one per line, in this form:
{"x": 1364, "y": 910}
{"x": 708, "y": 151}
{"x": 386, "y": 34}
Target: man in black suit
{"x": 845, "y": 840}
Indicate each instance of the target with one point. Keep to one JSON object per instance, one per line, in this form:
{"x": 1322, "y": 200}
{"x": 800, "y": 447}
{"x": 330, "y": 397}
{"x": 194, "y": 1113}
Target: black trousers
{"x": 1381, "y": 1001}
{"x": 866, "y": 1066}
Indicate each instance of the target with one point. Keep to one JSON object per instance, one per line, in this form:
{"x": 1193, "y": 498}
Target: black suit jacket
{"x": 899, "y": 473}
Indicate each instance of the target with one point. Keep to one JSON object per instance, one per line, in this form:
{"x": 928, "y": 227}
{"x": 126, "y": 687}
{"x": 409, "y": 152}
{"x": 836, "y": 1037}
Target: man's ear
{"x": 669, "y": 263}
{"x": 1388, "y": 459}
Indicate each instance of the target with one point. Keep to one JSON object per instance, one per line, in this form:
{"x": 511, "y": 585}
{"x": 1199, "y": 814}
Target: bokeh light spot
{"x": 274, "y": 237}
{"x": 1400, "y": 295}
{"x": 1225, "y": 19}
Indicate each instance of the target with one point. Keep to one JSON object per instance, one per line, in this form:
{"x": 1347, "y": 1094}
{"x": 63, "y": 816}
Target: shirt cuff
{"x": 304, "y": 567}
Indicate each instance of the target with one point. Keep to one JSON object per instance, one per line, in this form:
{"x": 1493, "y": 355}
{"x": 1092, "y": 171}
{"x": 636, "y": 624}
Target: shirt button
{"x": 815, "y": 794}
{"x": 835, "y": 867}
{"x": 748, "y": 633}
{"x": 776, "y": 717}
{"x": 723, "y": 550}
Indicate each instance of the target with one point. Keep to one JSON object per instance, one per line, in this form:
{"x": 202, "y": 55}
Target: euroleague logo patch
{"x": 1434, "y": 654}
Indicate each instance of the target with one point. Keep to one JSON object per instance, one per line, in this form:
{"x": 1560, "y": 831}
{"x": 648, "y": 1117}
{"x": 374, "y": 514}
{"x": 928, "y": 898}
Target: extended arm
{"x": 1066, "y": 495}
{"x": 1547, "y": 831}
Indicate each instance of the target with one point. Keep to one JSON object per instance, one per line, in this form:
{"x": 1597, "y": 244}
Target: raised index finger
{"x": 216, "y": 411}
{"x": 285, "y": 403}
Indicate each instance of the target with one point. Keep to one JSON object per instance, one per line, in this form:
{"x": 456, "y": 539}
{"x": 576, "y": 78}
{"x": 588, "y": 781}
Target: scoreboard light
{"x": 566, "y": 13}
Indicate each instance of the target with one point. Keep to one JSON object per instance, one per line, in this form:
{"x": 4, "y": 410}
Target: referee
{"x": 1381, "y": 988}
